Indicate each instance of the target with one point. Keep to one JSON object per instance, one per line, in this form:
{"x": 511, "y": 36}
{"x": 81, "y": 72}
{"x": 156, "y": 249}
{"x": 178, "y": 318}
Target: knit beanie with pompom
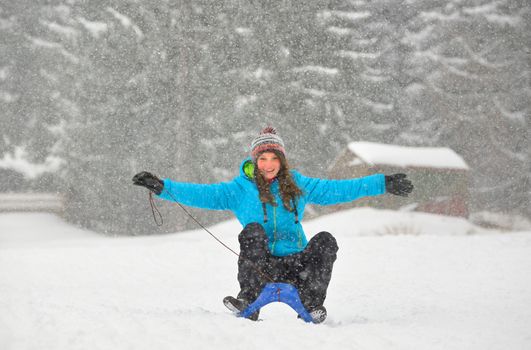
{"x": 267, "y": 140}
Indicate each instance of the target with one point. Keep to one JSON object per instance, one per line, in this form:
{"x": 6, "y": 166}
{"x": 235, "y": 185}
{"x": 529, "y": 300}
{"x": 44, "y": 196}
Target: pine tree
{"x": 36, "y": 80}
{"x": 103, "y": 137}
{"x": 471, "y": 94}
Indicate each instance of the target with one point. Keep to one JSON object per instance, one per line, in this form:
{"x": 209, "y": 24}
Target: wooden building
{"x": 32, "y": 202}
{"x": 440, "y": 176}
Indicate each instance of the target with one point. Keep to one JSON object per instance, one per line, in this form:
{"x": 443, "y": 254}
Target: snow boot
{"x": 318, "y": 314}
{"x": 239, "y": 305}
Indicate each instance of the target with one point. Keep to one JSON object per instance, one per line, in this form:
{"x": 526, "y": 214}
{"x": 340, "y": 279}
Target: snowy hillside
{"x": 401, "y": 281}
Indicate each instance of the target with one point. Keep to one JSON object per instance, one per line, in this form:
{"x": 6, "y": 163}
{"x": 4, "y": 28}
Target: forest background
{"x": 92, "y": 92}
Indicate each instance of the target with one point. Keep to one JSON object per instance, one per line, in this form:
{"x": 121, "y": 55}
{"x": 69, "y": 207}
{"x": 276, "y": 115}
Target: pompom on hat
{"x": 267, "y": 140}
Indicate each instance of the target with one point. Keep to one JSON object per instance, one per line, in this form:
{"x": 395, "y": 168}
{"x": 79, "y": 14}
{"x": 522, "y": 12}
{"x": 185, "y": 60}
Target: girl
{"x": 269, "y": 200}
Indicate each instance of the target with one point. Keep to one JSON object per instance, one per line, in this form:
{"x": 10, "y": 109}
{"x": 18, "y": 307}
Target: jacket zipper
{"x": 274, "y": 228}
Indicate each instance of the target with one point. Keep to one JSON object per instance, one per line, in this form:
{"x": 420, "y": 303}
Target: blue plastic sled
{"x": 280, "y": 292}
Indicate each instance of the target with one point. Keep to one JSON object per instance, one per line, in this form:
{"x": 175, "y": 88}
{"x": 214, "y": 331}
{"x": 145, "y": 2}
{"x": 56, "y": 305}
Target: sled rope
{"x": 153, "y": 209}
{"x": 256, "y": 268}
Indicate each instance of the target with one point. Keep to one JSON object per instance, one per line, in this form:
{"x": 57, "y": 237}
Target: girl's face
{"x": 268, "y": 164}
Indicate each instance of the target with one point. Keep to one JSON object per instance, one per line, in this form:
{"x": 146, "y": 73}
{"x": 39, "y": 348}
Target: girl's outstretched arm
{"x": 328, "y": 192}
{"x": 220, "y": 196}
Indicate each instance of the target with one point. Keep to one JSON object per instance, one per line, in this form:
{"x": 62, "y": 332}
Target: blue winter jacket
{"x": 240, "y": 196}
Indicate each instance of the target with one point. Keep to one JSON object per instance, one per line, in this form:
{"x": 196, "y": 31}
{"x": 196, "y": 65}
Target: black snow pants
{"x": 310, "y": 270}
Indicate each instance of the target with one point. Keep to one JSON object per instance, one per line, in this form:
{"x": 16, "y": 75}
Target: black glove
{"x": 398, "y": 184}
{"x": 149, "y": 181}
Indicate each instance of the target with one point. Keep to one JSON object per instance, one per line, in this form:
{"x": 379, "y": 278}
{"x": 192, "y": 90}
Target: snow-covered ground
{"x": 401, "y": 281}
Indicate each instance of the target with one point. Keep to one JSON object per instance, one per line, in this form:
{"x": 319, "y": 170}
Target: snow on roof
{"x": 424, "y": 157}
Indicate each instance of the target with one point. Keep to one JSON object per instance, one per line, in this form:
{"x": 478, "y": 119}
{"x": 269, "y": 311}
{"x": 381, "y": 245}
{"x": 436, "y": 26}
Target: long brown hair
{"x": 289, "y": 191}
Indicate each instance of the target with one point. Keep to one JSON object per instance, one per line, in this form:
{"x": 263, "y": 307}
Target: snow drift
{"x": 401, "y": 281}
